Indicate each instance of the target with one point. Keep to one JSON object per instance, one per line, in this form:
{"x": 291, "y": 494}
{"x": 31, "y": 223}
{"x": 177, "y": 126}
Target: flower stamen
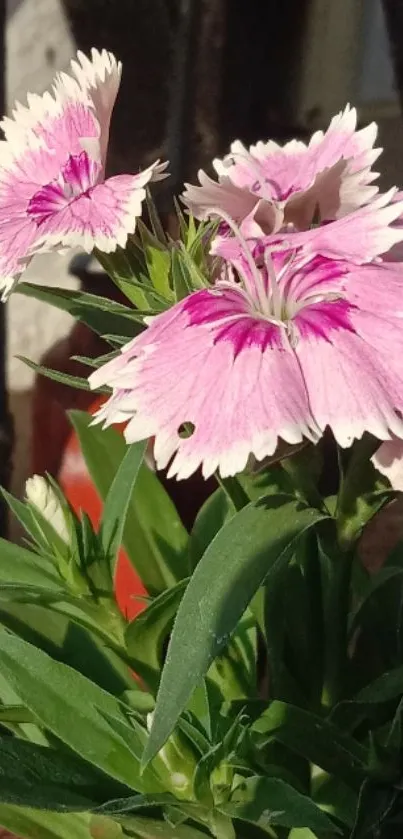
{"x": 259, "y": 287}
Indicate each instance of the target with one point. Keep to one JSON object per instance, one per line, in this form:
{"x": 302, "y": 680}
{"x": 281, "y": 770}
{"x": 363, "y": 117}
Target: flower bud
{"x": 43, "y": 497}
{"x": 179, "y": 762}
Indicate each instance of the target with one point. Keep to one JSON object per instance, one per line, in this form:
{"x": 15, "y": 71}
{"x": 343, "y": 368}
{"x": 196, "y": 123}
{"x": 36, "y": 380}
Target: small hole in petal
{"x": 186, "y": 429}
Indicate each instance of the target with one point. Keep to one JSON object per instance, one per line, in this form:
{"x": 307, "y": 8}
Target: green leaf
{"x": 301, "y": 833}
{"x": 128, "y": 270}
{"x": 388, "y": 686}
{"x": 35, "y": 776}
{"x": 198, "y": 242}
{"x": 95, "y": 362}
{"x": 99, "y": 313}
{"x": 161, "y": 775}
{"x": 31, "y": 594}
{"x": 132, "y": 803}
{"x": 235, "y": 492}
{"x": 142, "y": 828}
{"x": 62, "y": 378}
{"x": 270, "y": 480}
{"x": 375, "y": 582}
{"x": 158, "y": 261}
{"x": 333, "y": 796}
{"x": 69, "y": 643}
{"x": 366, "y": 704}
{"x": 15, "y": 714}
{"x": 317, "y": 740}
{"x": 270, "y": 801}
{"x": 209, "y": 520}
{"x": 19, "y": 566}
{"x": 234, "y": 669}
{"x": 155, "y": 221}
{"x": 195, "y": 277}
{"x": 37, "y": 824}
{"x": 146, "y": 634}
{"x": 154, "y": 536}
{"x": 363, "y": 491}
{"x": 72, "y": 708}
{"x": 186, "y": 274}
{"x": 373, "y": 808}
{"x": 249, "y": 549}
{"x": 118, "y": 499}
{"x": 180, "y": 280}
{"x": 116, "y": 341}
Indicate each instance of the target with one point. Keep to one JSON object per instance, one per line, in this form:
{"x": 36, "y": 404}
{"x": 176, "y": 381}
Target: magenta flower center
{"x": 77, "y": 177}
{"x": 276, "y": 293}
{"x": 282, "y": 283}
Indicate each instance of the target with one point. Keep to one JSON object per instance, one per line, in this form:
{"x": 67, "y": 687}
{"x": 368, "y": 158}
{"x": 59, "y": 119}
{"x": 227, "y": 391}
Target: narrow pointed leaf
{"x": 99, "y": 313}
{"x": 154, "y": 536}
{"x": 30, "y": 823}
{"x": 152, "y": 829}
{"x": 271, "y": 801}
{"x": 72, "y": 708}
{"x": 118, "y": 500}
{"x": 63, "y": 378}
{"x": 249, "y": 549}
{"x": 18, "y": 566}
{"x": 146, "y": 634}
{"x": 315, "y": 739}
{"x": 158, "y": 261}
{"x": 36, "y": 776}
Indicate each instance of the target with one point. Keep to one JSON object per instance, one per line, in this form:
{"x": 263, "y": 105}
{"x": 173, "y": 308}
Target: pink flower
{"x": 372, "y": 231}
{"x": 293, "y": 338}
{"x": 53, "y": 192}
{"x": 268, "y": 186}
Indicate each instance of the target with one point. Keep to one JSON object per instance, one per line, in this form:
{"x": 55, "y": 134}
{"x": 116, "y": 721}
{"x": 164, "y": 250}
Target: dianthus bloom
{"x": 53, "y": 192}
{"x": 268, "y": 186}
{"x": 300, "y": 332}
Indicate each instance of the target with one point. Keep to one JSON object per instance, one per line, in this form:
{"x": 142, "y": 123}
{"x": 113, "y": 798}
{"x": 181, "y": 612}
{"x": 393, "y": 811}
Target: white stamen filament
{"x": 276, "y": 303}
{"x": 275, "y": 292}
{"x": 256, "y": 275}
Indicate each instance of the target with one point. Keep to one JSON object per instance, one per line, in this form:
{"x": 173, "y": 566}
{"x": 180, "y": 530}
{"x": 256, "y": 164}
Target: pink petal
{"x": 326, "y": 170}
{"x": 388, "y": 460}
{"x": 18, "y": 231}
{"x": 76, "y": 112}
{"x": 224, "y": 195}
{"x": 100, "y": 77}
{"x": 378, "y": 289}
{"x": 333, "y": 174}
{"x": 352, "y": 385}
{"x": 102, "y": 217}
{"x": 359, "y": 237}
{"x": 342, "y": 143}
{"x": 235, "y": 379}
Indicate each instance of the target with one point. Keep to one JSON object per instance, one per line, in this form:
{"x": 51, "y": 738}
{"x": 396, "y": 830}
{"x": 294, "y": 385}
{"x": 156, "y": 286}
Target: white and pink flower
{"x": 53, "y": 191}
{"x": 268, "y": 186}
{"x": 302, "y": 331}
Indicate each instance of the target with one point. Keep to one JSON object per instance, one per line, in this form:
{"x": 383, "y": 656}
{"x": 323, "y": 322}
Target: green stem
{"x": 234, "y": 491}
{"x": 315, "y": 628}
{"x": 336, "y": 587}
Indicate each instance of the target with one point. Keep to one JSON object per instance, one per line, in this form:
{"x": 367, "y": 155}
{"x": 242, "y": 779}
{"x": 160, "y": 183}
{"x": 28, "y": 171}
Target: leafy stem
{"x": 336, "y": 582}
{"x": 234, "y": 491}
